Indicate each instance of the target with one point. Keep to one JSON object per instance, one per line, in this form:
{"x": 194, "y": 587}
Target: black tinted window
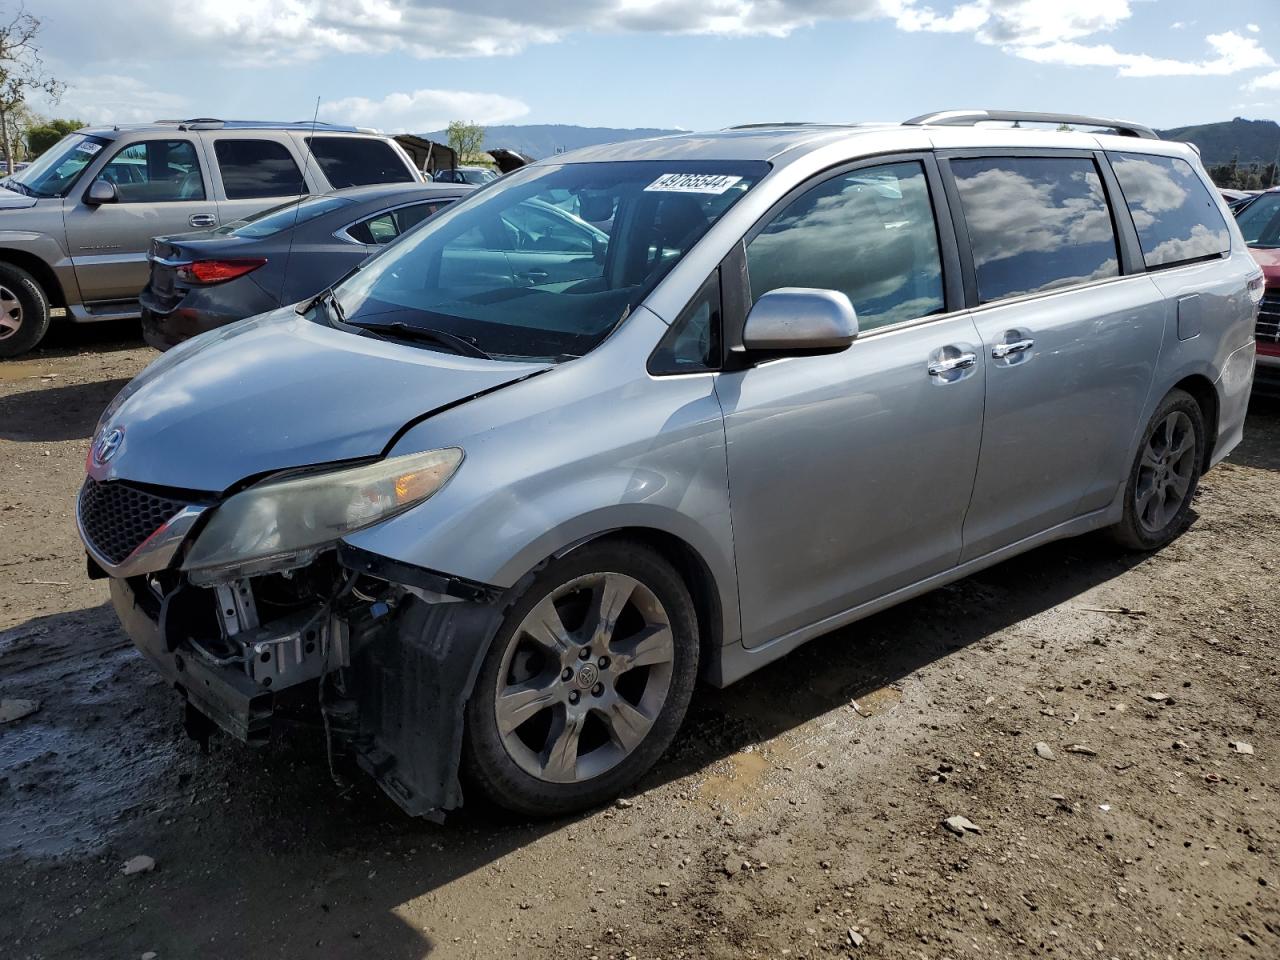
{"x": 354, "y": 161}
{"x": 1035, "y": 223}
{"x": 870, "y": 234}
{"x": 1177, "y": 218}
{"x": 257, "y": 168}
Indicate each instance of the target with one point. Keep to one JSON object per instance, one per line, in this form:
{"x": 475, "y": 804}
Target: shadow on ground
{"x": 52, "y": 413}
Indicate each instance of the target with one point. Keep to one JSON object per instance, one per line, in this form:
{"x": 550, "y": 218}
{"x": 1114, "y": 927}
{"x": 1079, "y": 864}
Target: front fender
{"x": 591, "y": 447}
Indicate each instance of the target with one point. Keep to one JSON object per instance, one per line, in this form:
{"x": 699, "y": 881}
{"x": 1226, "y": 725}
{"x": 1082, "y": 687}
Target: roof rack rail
{"x": 772, "y": 123}
{"x": 969, "y": 118}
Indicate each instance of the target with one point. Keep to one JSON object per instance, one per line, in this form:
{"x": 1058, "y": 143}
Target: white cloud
{"x": 279, "y": 32}
{"x": 423, "y": 110}
{"x": 1234, "y": 54}
{"x": 1268, "y": 81}
{"x": 104, "y": 99}
{"x": 1253, "y": 28}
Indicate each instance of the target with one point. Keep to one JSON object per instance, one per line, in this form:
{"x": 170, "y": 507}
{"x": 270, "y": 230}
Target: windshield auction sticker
{"x": 89, "y": 147}
{"x": 713, "y": 183}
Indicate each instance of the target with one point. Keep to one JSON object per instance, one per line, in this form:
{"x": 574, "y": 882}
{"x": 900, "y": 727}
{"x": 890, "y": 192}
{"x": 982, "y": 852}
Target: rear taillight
{"x": 217, "y": 271}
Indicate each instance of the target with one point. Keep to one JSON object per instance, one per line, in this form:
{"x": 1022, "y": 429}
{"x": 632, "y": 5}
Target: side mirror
{"x": 100, "y": 192}
{"x": 795, "y": 321}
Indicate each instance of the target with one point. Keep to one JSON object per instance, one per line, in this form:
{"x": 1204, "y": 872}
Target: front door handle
{"x": 202, "y": 220}
{"x": 946, "y": 365}
{"x": 1002, "y": 350}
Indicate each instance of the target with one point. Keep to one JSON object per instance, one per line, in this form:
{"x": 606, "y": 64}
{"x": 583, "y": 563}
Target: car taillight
{"x": 1257, "y": 288}
{"x": 217, "y": 271}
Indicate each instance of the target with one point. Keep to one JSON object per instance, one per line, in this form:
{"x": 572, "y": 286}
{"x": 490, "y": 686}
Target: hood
{"x": 1269, "y": 260}
{"x": 278, "y": 391}
{"x": 13, "y": 200}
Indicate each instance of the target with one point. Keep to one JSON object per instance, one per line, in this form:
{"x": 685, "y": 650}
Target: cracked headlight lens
{"x": 281, "y": 517}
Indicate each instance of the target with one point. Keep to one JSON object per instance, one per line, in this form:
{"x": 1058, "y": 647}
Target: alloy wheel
{"x": 10, "y": 313}
{"x": 584, "y": 678}
{"x": 1165, "y": 472}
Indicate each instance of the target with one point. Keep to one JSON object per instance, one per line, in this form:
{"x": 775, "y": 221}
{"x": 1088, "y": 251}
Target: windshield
{"x": 547, "y": 261}
{"x": 56, "y": 170}
{"x": 284, "y": 217}
{"x": 1260, "y": 221}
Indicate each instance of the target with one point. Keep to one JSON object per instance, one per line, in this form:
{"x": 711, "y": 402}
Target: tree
{"x": 21, "y": 74}
{"x": 466, "y": 139}
{"x": 44, "y": 135}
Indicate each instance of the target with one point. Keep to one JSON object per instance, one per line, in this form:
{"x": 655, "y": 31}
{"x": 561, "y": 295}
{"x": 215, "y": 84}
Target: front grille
{"x": 1269, "y": 318}
{"x": 117, "y": 517}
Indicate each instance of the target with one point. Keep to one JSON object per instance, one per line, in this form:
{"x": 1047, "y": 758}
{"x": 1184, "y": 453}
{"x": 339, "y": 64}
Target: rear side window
{"x": 1260, "y": 221}
{"x": 257, "y": 168}
{"x": 385, "y": 227}
{"x": 1035, "y": 224}
{"x": 1178, "y": 220}
{"x": 869, "y": 234}
{"x": 355, "y": 161}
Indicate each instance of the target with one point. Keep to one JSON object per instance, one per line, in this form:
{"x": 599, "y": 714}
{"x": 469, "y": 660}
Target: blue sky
{"x": 415, "y": 64}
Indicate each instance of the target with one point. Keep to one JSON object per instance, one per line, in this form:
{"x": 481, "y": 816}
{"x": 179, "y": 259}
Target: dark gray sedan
{"x": 287, "y": 253}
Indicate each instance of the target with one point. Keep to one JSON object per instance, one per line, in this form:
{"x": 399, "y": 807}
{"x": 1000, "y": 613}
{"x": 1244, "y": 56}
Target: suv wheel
{"x": 586, "y": 683}
{"x": 1165, "y": 474}
{"x": 24, "y": 311}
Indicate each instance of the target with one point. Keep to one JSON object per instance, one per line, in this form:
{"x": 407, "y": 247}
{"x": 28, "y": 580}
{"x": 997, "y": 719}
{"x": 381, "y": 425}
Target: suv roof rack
{"x": 969, "y": 118}
{"x": 213, "y": 123}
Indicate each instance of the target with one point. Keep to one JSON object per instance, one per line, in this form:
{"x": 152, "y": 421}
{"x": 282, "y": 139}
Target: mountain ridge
{"x": 540, "y": 140}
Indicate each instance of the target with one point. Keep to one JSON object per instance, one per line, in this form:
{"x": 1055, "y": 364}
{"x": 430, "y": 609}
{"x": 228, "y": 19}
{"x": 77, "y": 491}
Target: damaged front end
{"x": 378, "y": 655}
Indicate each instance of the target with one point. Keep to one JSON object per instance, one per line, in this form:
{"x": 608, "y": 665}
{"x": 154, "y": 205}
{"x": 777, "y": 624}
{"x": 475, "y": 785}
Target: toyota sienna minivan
{"x": 500, "y": 498}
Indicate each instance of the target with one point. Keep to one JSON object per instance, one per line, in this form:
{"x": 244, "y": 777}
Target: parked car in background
{"x": 497, "y": 499}
{"x": 75, "y": 226}
{"x": 475, "y": 176}
{"x": 1259, "y": 224}
{"x": 210, "y": 278}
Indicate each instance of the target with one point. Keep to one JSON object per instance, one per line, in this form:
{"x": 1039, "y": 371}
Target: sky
{"x": 414, "y": 65}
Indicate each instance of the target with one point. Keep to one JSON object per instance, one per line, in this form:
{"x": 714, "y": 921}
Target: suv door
{"x": 258, "y": 171}
{"x": 849, "y": 474}
{"x": 1071, "y": 337}
{"x": 161, "y": 187}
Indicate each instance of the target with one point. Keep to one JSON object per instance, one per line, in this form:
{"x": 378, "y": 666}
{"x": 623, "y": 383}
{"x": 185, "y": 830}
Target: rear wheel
{"x": 585, "y": 684}
{"x": 1164, "y": 476}
{"x": 24, "y": 311}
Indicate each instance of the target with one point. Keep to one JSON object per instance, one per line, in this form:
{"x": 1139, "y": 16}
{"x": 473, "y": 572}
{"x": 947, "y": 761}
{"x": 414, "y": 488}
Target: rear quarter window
{"x": 1177, "y": 219}
{"x": 356, "y": 161}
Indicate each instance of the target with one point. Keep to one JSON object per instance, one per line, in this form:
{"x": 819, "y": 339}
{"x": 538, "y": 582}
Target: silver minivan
{"x": 501, "y": 497}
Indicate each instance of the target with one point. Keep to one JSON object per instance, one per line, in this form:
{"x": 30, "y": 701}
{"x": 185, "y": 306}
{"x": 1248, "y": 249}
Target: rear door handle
{"x": 202, "y": 220}
{"x": 1001, "y": 350}
{"x": 938, "y": 367}
{"x": 536, "y": 276}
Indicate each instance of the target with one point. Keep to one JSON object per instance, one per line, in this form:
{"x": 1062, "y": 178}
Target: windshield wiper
{"x": 407, "y": 331}
{"x": 17, "y": 186}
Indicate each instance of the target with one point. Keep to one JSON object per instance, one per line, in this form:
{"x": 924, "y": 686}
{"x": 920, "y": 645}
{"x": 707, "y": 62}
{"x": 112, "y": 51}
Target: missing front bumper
{"x": 393, "y": 673}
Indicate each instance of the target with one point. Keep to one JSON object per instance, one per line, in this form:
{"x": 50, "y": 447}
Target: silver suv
{"x": 76, "y": 224}
{"x": 501, "y": 496}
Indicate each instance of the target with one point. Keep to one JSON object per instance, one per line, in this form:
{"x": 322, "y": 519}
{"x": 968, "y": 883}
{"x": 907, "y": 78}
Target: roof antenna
{"x": 297, "y": 209}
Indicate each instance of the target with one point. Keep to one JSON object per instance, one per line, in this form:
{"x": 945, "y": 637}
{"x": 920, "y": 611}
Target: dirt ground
{"x": 799, "y": 814}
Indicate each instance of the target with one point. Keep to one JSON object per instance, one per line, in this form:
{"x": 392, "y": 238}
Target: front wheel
{"x": 1164, "y": 476}
{"x": 24, "y": 311}
{"x": 586, "y": 683}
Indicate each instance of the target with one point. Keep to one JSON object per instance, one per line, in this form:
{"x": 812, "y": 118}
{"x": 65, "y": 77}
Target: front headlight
{"x": 281, "y": 517}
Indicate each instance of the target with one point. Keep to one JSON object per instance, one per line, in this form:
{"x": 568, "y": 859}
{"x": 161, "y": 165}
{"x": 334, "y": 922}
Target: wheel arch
{"x": 39, "y": 269}
{"x": 1205, "y": 394}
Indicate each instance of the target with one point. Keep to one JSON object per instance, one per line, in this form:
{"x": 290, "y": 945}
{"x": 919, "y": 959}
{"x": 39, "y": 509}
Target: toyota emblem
{"x": 107, "y": 445}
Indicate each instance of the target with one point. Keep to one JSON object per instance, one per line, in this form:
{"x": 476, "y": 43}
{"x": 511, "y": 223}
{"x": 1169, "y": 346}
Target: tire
{"x": 549, "y": 732}
{"x": 1164, "y": 476}
{"x": 23, "y": 300}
